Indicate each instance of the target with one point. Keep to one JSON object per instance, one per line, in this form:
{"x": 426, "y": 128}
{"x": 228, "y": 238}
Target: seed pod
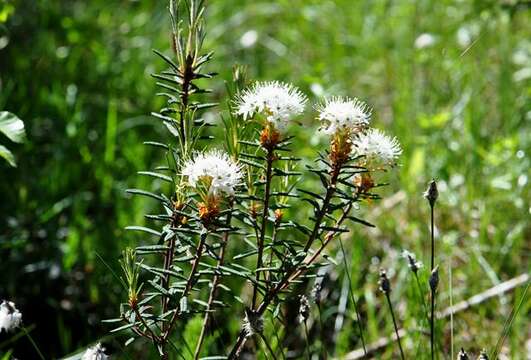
{"x": 432, "y": 193}
{"x": 434, "y": 279}
{"x": 385, "y": 285}
{"x": 462, "y": 355}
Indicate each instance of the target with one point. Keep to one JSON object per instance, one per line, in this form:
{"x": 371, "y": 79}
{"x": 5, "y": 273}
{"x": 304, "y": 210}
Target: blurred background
{"x": 451, "y": 79}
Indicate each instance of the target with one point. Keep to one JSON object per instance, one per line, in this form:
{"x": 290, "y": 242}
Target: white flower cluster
{"x": 339, "y": 113}
{"x": 10, "y": 317}
{"x": 374, "y": 145}
{"x": 223, "y": 172}
{"x": 96, "y": 352}
{"x": 277, "y": 101}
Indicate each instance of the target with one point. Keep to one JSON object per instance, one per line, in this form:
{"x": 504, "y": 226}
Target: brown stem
{"x": 291, "y": 275}
{"x": 265, "y": 212}
{"x": 273, "y": 241}
{"x": 189, "y": 283}
{"x": 213, "y": 290}
{"x": 168, "y": 260}
{"x": 330, "y": 190}
{"x": 150, "y": 335}
{"x": 187, "y": 73}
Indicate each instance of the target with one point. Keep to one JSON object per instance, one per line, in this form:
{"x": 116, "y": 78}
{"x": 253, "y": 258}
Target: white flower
{"x": 10, "y": 317}
{"x": 376, "y": 146}
{"x": 424, "y": 40}
{"x": 343, "y": 113}
{"x": 223, "y": 173}
{"x": 277, "y": 101}
{"x": 96, "y": 352}
{"x": 249, "y": 38}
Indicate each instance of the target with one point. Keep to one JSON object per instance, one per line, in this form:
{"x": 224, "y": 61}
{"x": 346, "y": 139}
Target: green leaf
{"x": 12, "y": 127}
{"x": 144, "y": 229}
{"x": 145, "y": 193}
{"x": 121, "y": 328}
{"x": 156, "y": 175}
{"x": 6, "y": 154}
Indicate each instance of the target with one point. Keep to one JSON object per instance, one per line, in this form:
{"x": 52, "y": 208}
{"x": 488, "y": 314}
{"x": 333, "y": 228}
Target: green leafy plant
{"x": 215, "y": 199}
{"x": 13, "y": 128}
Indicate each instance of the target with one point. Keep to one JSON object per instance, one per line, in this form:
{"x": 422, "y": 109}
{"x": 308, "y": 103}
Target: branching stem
{"x": 213, "y": 290}
{"x": 270, "y": 157}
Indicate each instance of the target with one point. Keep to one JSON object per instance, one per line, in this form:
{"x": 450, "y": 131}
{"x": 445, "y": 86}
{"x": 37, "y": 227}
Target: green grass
{"x": 78, "y": 74}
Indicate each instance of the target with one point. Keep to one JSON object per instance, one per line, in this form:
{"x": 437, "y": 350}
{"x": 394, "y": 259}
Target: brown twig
{"x": 189, "y": 283}
{"x": 287, "y": 279}
{"x": 213, "y": 290}
{"x": 265, "y": 214}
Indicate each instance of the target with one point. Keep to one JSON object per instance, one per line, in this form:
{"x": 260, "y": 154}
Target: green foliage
{"x": 77, "y": 72}
{"x": 13, "y": 128}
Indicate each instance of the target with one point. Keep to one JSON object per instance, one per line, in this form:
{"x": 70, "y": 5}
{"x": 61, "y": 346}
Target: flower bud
{"x": 462, "y": 355}
{"x": 385, "y": 285}
{"x": 434, "y": 279}
{"x": 432, "y": 193}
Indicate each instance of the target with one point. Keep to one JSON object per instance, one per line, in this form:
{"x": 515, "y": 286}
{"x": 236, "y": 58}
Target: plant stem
{"x": 432, "y": 241}
{"x": 213, "y": 290}
{"x": 330, "y": 190}
{"x": 189, "y": 283}
{"x": 432, "y": 325}
{"x": 321, "y": 327}
{"x": 307, "y": 340}
{"x": 358, "y": 316}
{"x": 151, "y": 334}
{"x": 288, "y": 277}
{"x": 394, "y": 324}
{"x": 268, "y": 346}
{"x": 432, "y": 317}
{"x": 508, "y": 324}
{"x": 168, "y": 260}
{"x": 421, "y": 295}
{"x": 273, "y": 243}
{"x": 33, "y": 343}
{"x": 265, "y": 213}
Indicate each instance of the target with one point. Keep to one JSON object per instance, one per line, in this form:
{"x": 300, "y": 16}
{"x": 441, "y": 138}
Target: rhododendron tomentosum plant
{"x": 225, "y": 215}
